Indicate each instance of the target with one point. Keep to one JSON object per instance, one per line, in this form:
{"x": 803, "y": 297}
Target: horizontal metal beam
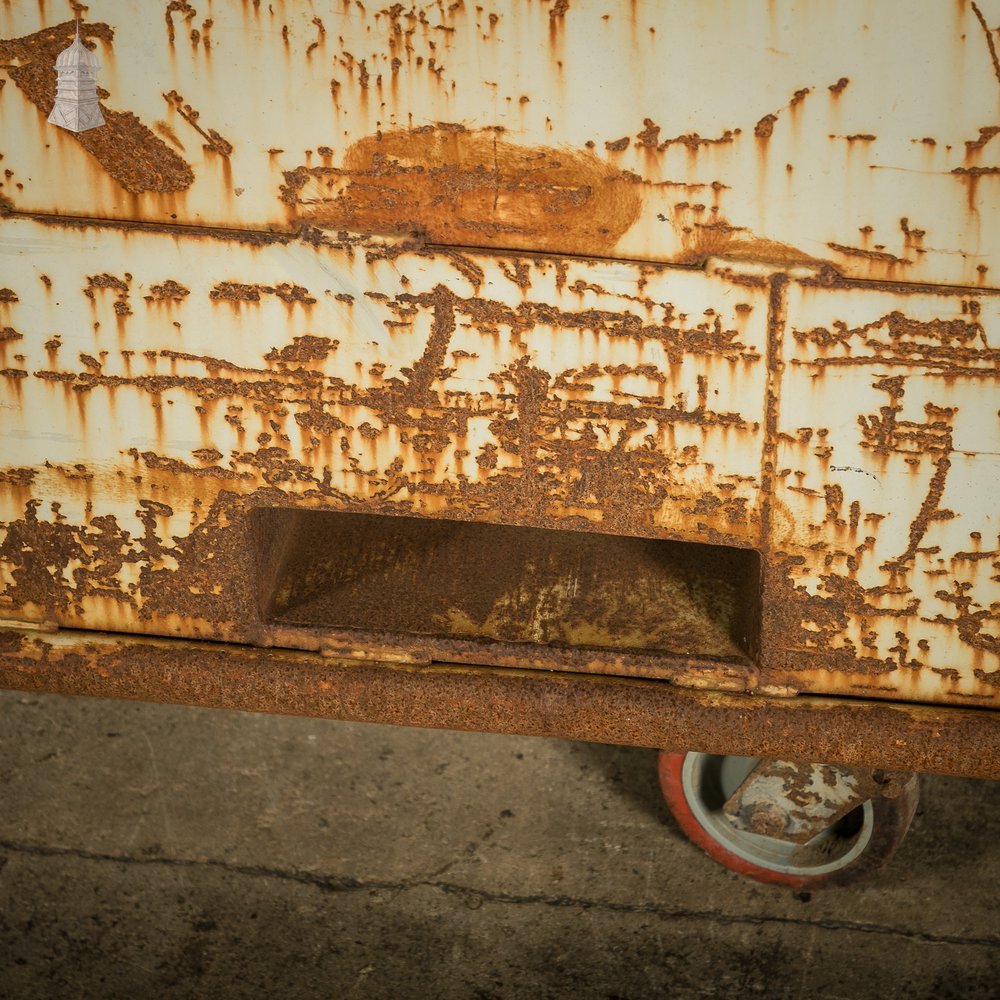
{"x": 600, "y": 709}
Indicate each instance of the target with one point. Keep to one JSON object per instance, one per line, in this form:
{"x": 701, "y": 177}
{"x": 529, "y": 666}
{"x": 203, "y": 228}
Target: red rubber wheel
{"x": 696, "y": 785}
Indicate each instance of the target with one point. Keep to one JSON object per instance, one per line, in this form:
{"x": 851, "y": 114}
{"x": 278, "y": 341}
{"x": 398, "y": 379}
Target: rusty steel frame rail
{"x": 603, "y": 709}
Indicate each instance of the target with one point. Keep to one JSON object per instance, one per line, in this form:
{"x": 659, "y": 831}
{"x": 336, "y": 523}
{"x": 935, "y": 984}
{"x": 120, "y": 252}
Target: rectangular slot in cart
{"x": 492, "y": 584}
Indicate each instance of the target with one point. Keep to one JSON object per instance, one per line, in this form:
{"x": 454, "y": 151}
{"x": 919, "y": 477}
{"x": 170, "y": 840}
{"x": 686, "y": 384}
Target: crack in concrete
{"x": 347, "y": 883}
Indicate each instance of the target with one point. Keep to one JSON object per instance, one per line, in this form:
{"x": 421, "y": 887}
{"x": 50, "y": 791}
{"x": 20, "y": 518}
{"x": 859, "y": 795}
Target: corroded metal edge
{"x": 613, "y": 710}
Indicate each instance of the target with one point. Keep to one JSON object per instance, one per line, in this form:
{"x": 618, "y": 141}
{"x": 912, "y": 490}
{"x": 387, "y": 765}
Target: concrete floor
{"x": 151, "y": 851}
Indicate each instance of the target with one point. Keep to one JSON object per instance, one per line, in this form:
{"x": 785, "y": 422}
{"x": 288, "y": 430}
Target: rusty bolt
{"x": 766, "y": 818}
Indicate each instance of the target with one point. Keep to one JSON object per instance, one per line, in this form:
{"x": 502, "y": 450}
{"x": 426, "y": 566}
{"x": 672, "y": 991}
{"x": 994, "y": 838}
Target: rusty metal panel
{"x": 160, "y": 386}
{"x": 364, "y": 275}
{"x": 883, "y": 529}
{"x": 548, "y": 391}
{"x": 194, "y": 378}
{"x": 842, "y": 132}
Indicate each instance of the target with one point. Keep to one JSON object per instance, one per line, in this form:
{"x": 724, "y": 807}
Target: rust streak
{"x": 990, "y": 44}
{"x": 877, "y": 255}
{"x": 213, "y": 140}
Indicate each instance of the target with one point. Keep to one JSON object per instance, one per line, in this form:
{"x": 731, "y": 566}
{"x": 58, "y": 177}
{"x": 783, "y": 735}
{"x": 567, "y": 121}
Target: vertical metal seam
{"x": 775, "y": 367}
{"x": 772, "y": 388}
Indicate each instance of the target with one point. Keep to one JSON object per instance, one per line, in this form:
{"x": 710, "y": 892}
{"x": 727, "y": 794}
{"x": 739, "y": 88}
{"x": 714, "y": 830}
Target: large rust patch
{"x": 137, "y": 159}
{"x": 470, "y": 188}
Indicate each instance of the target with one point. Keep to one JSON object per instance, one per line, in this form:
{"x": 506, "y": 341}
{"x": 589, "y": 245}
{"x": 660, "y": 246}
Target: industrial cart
{"x": 617, "y": 371}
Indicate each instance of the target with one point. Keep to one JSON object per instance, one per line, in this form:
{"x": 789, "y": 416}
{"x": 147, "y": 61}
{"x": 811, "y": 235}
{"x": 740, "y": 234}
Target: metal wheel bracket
{"x": 797, "y": 802}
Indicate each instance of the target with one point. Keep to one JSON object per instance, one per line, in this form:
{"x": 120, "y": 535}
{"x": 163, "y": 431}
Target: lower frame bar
{"x": 600, "y": 709}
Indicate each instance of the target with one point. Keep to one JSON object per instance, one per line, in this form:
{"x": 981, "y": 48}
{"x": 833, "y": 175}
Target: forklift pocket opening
{"x": 463, "y": 590}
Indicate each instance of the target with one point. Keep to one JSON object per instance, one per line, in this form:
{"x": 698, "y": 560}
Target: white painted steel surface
{"x": 818, "y": 382}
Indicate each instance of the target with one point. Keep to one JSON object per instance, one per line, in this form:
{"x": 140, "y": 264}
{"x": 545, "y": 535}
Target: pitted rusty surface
{"x": 582, "y": 601}
{"x": 169, "y": 291}
{"x": 181, "y": 8}
{"x": 796, "y": 802}
{"x": 653, "y": 714}
{"x": 233, "y": 291}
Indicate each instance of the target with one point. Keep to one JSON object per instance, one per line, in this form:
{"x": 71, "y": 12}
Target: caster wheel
{"x": 697, "y": 785}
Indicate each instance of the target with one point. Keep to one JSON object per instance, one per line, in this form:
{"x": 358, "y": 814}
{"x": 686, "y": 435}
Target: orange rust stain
{"x": 169, "y": 134}
{"x": 913, "y": 238}
{"x": 975, "y": 146}
{"x": 214, "y": 142}
{"x": 452, "y": 185}
{"x": 765, "y": 127}
{"x": 719, "y": 239}
{"x": 13, "y": 377}
{"x": 971, "y": 177}
{"x": 7, "y": 336}
{"x": 556, "y": 15}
